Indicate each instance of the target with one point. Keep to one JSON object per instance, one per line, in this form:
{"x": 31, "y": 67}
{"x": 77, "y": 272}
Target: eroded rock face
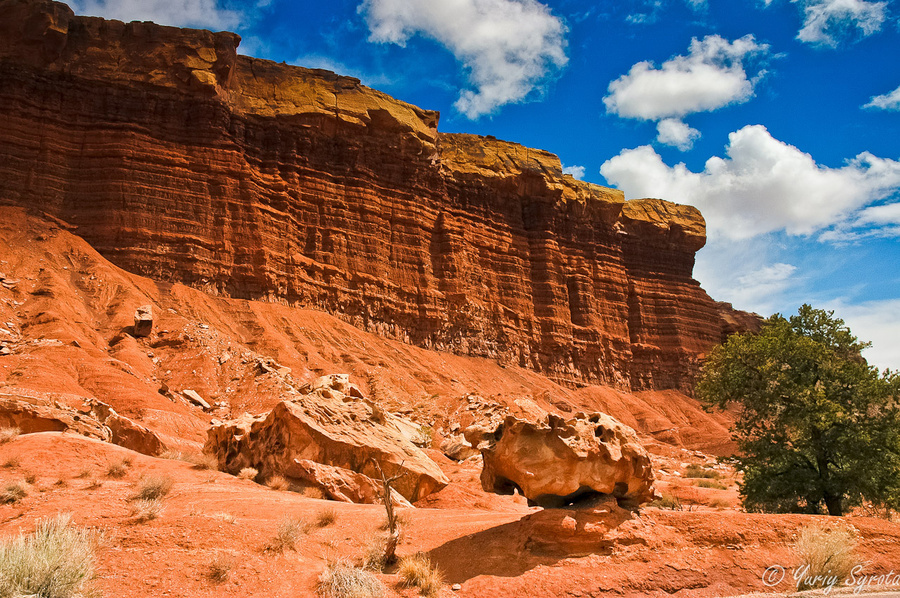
{"x": 181, "y": 160}
{"x": 559, "y": 461}
{"x": 340, "y": 431}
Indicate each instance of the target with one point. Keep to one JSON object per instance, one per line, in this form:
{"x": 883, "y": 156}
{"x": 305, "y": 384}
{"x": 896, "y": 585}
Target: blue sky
{"x": 779, "y": 119}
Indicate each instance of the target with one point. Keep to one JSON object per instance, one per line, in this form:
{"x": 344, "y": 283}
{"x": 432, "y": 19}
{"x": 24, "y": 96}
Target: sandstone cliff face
{"x": 180, "y": 160}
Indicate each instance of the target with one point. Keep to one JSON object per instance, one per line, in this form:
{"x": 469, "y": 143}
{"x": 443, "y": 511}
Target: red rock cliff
{"x": 181, "y": 160}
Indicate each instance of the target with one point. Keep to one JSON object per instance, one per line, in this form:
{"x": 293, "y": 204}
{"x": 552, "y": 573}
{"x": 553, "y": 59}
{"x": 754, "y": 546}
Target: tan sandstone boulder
{"x": 329, "y": 427}
{"x": 558, "y": 461}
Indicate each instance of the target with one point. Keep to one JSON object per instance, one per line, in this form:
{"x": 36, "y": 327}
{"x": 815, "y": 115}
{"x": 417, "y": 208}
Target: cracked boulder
{"x": 330, "y": 425}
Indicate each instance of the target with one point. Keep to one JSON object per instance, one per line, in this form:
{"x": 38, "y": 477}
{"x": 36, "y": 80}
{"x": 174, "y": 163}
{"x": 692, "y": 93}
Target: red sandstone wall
{"x": 180, "y": 160}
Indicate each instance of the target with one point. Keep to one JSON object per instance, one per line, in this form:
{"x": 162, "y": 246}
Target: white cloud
{"x": 508, "y": 47}
{"x": 762, "y": 185}
{"x": 177, "y": 13}
{"x": 877, "y": 322}
{"x": 671, "y": 131}
{"x": 710, "y": 76}
{"x": 887, "y": 101}
{"x": 827, "y": 22}
{"x": 575, "y": 171}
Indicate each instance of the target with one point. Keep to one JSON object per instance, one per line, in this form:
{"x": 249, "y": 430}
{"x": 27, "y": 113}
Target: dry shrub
{"x": 343, "y": 580}
{"x": 667, "y": 501}
{"x": 720, "y": 503}
{"x": 219, "y": 569}
{"x": 12, "y": 493}
{"x": 248, "y": 473}
{"x": 402, "y": 518}
{"x": 146, "y": 509}
{"x": 326, "y": 517}
{"x": 824, "y": 552}
{"x": 9, "y": 434}
{"x": 204, "y": 461}
{"x": 373, "y": 559}
{"x": 288, "y": 534}
{"x": 698, "y": 471}
{"x": 277, "y": 482}
{"x": 710, "y": 484}
{"x": 118, "y": 469}
{"x": 153, "y": 488}
{"x": 56, "y": 561}
{"x": 418, "y": 571}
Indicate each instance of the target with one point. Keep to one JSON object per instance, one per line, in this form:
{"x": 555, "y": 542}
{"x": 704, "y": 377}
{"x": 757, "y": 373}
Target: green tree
{"x": 816, "y": 425}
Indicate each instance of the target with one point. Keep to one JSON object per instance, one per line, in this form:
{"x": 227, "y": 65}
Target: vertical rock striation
{"x": 181, "y": 160}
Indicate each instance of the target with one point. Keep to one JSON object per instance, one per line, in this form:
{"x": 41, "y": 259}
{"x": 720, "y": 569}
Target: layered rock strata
{"x": 181, "y": 160}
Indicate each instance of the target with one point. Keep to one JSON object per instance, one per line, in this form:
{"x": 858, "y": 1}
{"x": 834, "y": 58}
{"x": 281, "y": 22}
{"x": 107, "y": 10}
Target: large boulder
{"x": 331, "y": 424}
{"x": 558, "y": 461}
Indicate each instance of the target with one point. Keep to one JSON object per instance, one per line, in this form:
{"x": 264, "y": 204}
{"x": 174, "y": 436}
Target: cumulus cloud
{"x": 508, "y": 47}
{"x": 712, "y": 75}
{"x": 887, "y": 101}
{"x": 177, "y": 13}
{"x": 575, "y": 171}
{"x": 827, "y": 22}
{"x": 877, "y": 322}
{"x": 672, "y": 131}
{"x": 762, "y": 185}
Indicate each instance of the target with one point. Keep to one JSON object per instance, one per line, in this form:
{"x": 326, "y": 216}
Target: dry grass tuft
{"x": 343, "y": 580}
{"x": 219, "y": 569}
{"x": 12, "y": 493}
{"x": 698, "y": 471}
{"x": 56, "y": 561}
{"x": 30, "y": 478}
{"x": 153, "y": 488}
{"x": 824, "y": 553}
{"x": 9, "y": 434}
{"x": 289, "y": 532}
{"x": 118, "y": 469}
{"x": 325, "y": 517}
{"x": 11, "y": 463}
{"x": 147, "y": 509}
{"x": 204, "y": 461}
{"x": 248, "y": 473}
{"x": 94, "y": 485}
{"x": 710, "y": 484}
{"x": 418, "y": 571}
{"x": 373, "y": 559}
{"x": 277, "y": 482}
{"x": 84, "y": 474}
{"x": 667, "y": 501}
{"x": 402, "y": 518}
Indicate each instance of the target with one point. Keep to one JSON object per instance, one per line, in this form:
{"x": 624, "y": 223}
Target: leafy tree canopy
{"x": 816, "y": 425}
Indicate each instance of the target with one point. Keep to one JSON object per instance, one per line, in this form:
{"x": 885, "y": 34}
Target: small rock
{"x": 195, "y": 398}
{"x": 143, "y": 321}
{"x": 456, "y": 587}
{"x": 5, "y": 350}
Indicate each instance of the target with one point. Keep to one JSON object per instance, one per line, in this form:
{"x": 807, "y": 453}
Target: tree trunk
{"x": 834, "y": 504}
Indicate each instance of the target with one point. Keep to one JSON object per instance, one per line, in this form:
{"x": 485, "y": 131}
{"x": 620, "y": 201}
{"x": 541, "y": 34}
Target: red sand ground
{"x": 508, "y": 551}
